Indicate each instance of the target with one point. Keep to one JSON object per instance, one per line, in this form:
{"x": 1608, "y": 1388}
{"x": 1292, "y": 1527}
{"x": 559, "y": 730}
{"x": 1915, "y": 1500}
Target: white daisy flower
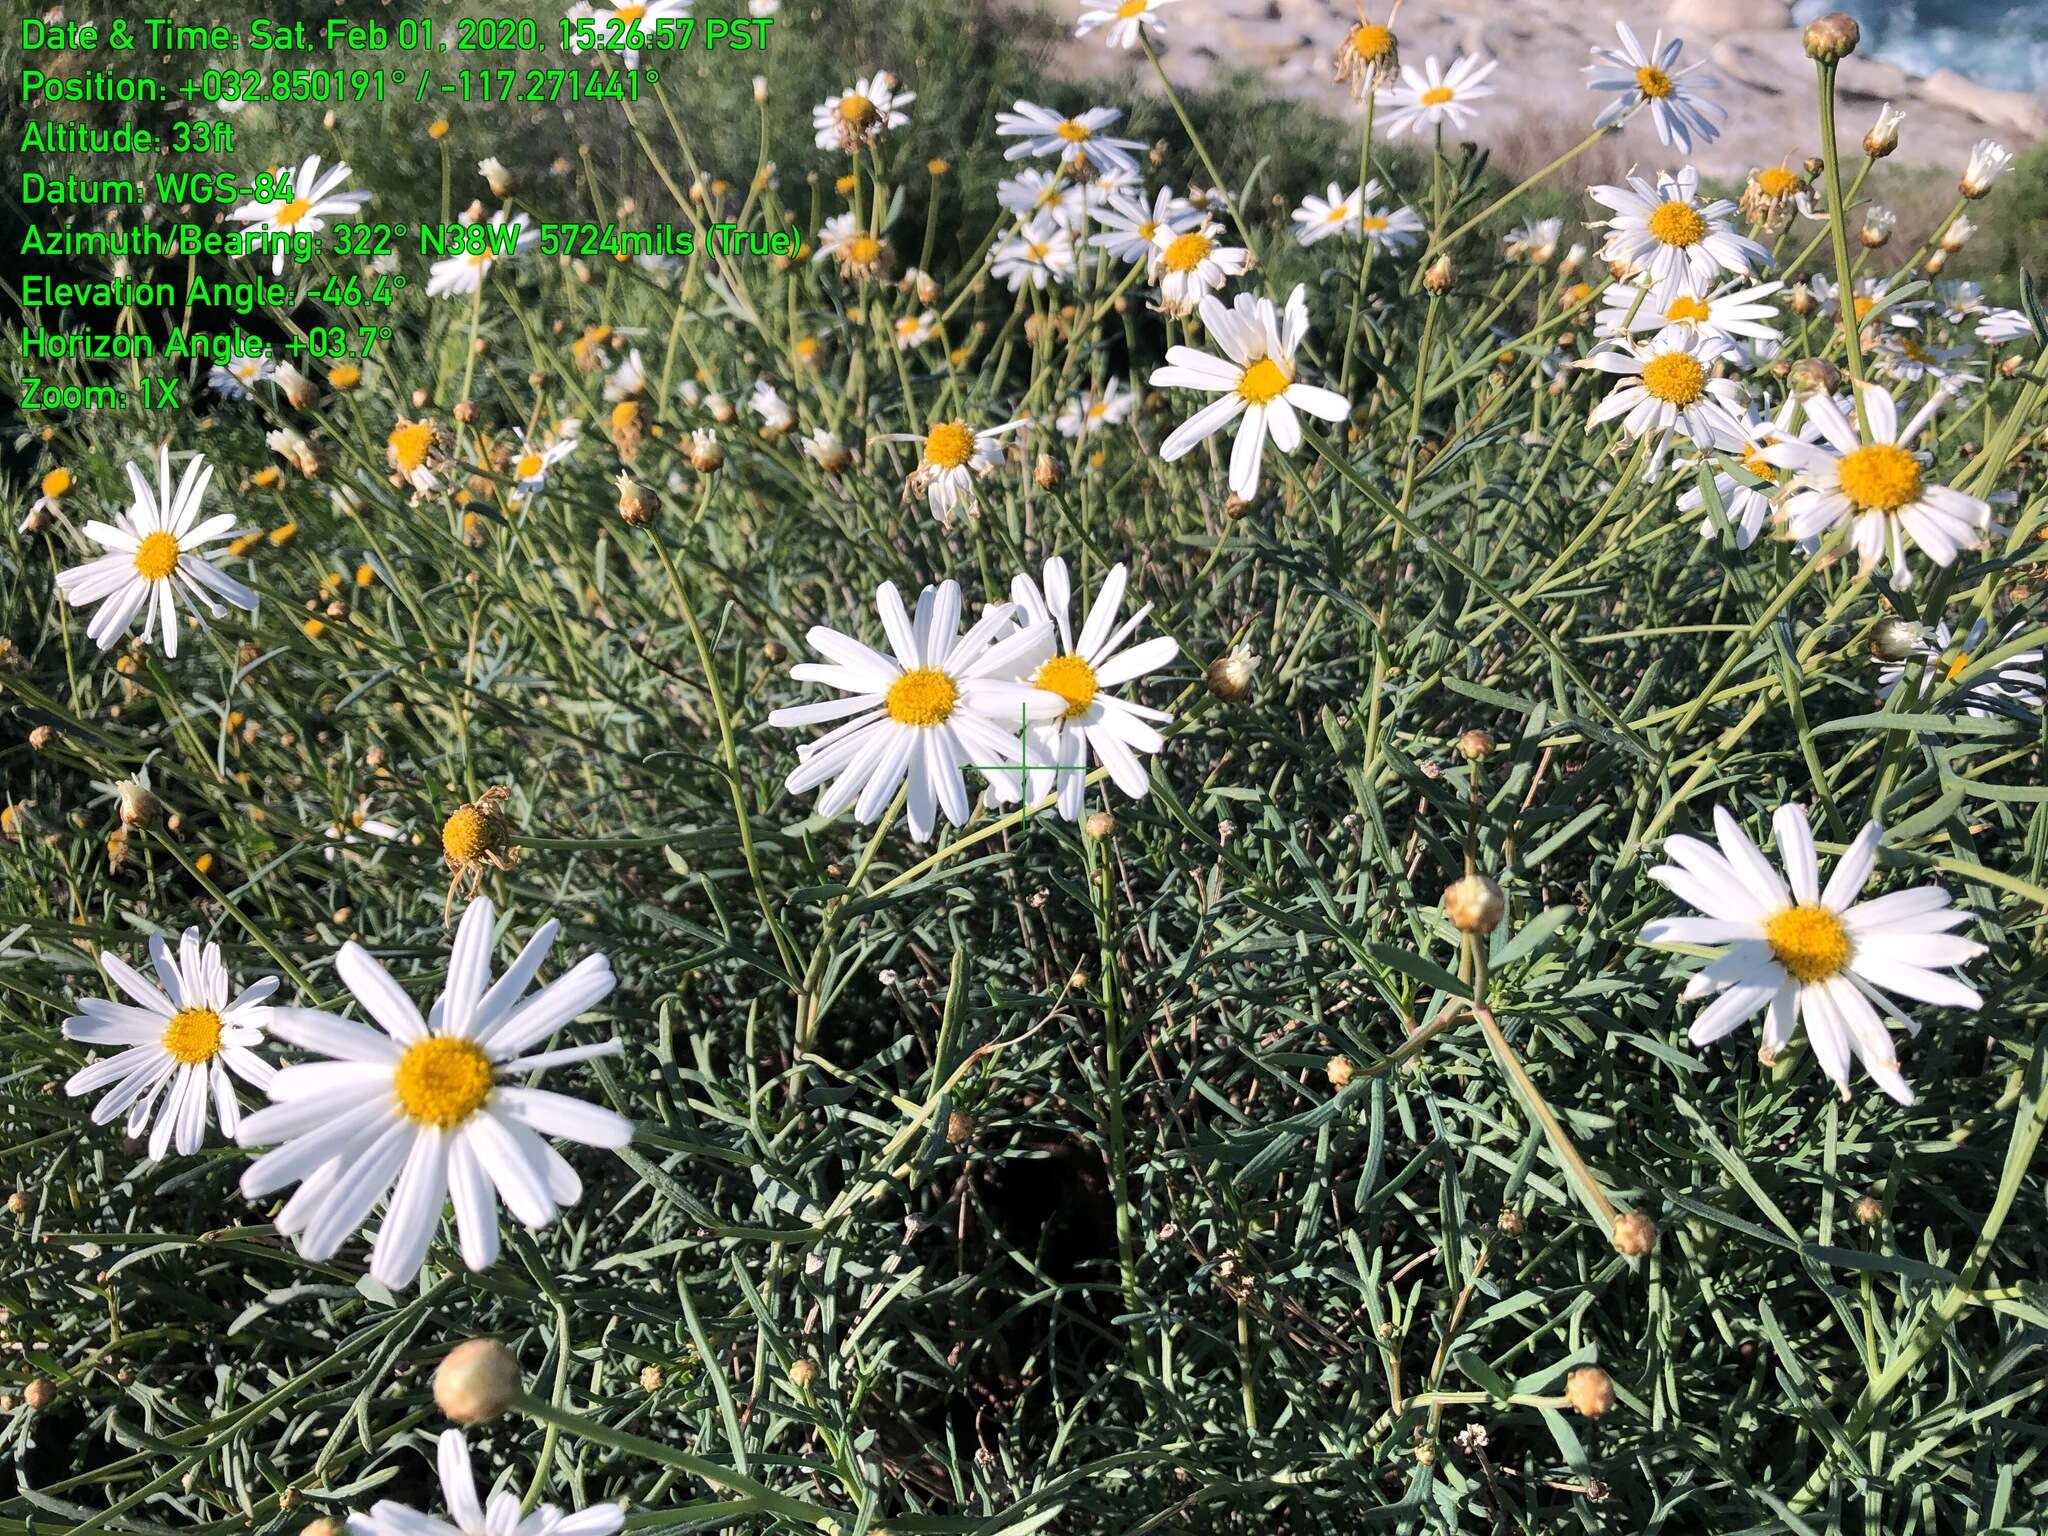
{"x": 1089, "y": 411}
{"x": 2016, "y": 681}
{"x": 1666, "y": 230}
{"x": 1337, "y": 213}
{"x": 861, "y": 113}
{"x": 1129, "y": 226}
{"x": 530, "y": 466}
{"x": 236, "y": 378}
{"x": 152, "y": 555}
{"x": 438, "y": 1104}
{"x": 1254, "y": 379}
{"x": 460, "y": 276}
{"x": 943, "y": 700}
{"x": 317, "y": 196}
{"x": 1811, "y": 954}
{"x": 1989, "y": 160}
{"x": 1189, "y": 265}
{"x": 628, "y": 379}
{"x": 1081, "y": 671}
{"x": 625, "y": 21}
{"x": 469, "y": 1517}
{"x": 1434, "y": 97}
{"x": 1534, "y": 241}
{"x": 2000, "y": 326}
{"x": 1960, "y": 301}
{"x": 1879, "y": 488}
{"x": 1733, "y": 317}
{"x": 51, "y": 489}
{"x": 846, "y": 242}
{"x": 183, "y": 1039}
{"x": 1905, "y": 358}
{"x": 1748, "y": 502}
{"x": 1042, "y": 131}
{"x": 777, "y": 414}
{"x": 1665, "y": 387}
{"x": 1041, "y": 252}
{"x": 824, "y": 449}
{"x": 342, "y": 835}
{"x": 1126, "y": 22}
{"x": 1874, "y": 301}
{"x": 1032, "y": 192}
{"x": 1650, "y": 77}
{"x": 953, "y": 456}
{"x": 915, "y": 330}
{"x": 1388, "y": 229}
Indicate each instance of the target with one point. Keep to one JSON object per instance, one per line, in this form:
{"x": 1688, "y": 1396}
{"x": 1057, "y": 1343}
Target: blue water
{"x": 2000, "y": 43}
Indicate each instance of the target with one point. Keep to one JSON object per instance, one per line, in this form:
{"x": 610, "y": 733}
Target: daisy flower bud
{"x": 492, "y": 169}
{"x": 1813, "y": 376}
{"x": 761, "y": 90}
{"x": 959, "y": 1129}
{"x": 1340, "y": 1072}
{"x": 139, "y": 808}
{"x": 636, "y": 502}
{"x": 1895, "y": 640}
{"x": 476, "y": 1381}
{"x": 39, "y": 1394}
{"x": 1230, "y": 675}
{"x": 1589, "y": 1391}
{"x": 802, "y": 1372}
{"x": 1635, "y": 1234}
{"x": 1870, "y": 1210}
{"x": 707, "y": 455}
{"x": 1989, "y": 160}
{"x": 1099, "y": 824}
{"x": 1831, "y": 38}
{"x": 1439, "y": 277}
{"x": 1957, "y": 235}
{"x": 650, "y": 1378}
{"x": 1883, "y": 137}
{"x": 1878, "y": 224}
{"x": 1475, "y": 745}
{"x": 1474, "y": 904}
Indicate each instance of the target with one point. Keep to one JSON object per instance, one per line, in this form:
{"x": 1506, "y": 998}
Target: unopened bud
{"x": 1340, "y": 1071}
{"x": 802, "y": 1372}
{"x": 636, "y": 502}
{"x": 1589, "y": 1391}
{"x": 959, "y": 1129}
{"x": 1832, "y": 38}
{"x": 1813, "y": 376}
{"x": 1870, "y": 1210}
{"x": 1883, "y": 137}
{"x": 1046, "y": 473}
{"x": 139, "y": 808}
{"x": 1635, "y": 1234}
{"x": 1895, "y": 639}
{"x": 476, "y": 1381}
{"x": 1439, "y": 276}
{"x": 1475, "y": 745}
{"x": 1474, "y": 904}
{"x": 1099, "y": 824}
{"x": 39, "y": 1394}
{"x": 492, "y": 169}
{"x": 1230, "y": 676}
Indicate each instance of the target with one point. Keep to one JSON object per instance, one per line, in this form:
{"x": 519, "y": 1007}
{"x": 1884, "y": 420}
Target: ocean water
{"x": 2001, "y": 43}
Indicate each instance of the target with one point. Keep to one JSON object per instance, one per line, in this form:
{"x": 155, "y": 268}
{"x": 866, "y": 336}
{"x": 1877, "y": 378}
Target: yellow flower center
{"x": 863, "y": 251}
{"x": 1132, "y": 8}
{"x": 922, "y": 696}
{"x": 629, "y": 12}
{"x": 1754, "y": 461}
{"x": 1373, "y": 223}
{"x": 1338, "y": 213}
{"x": 949, "y": 445}
{"x": 1653, "y": 83}
{"x": 1264, "y": 382}
{"x": 1809, "y": 941}
{"x": 1879, "y": 477}
{"x": 442, "y": 1081}
{"x": 468, "y": 834}
{"x": 193, "y": 1036}
{"x": 1685, "y": 309}
{"x": 1074, "y": 131}
{"x": 529, "y": 465}
{"x": 855, "y": 110}
{"x": 157, "y": 555}
{"x": 1037, "y": 251}
{"x": 1955, "y": 668}
{"x": 1436, "y": 96}
{"x": 908, "y": 325}
{"x": 293, "y": 211}
{"x": 1914, "y": 351}
{"x": 1864, "y": 304}
{"x": 1778, "y": 181}
{"x": 1369, "y": 40}
{"x": 1187, "y": 252}
{"x": 56, "y": 483}
{"x": 1676, "y": 378}
{"x": 410, "y": 444}
{"x": 1677, "y": 223}
{"x": 1072, "y": 679}
{"x": 345, "y": 376}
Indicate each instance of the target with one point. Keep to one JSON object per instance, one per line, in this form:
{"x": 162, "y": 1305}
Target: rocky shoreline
{"x": 1541, "y": 104}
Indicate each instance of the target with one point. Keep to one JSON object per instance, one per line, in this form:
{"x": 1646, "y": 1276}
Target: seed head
{"x": 959, "y": 1129}
{"x": 802, "y": 1372}
{"x": 476, "y": 1381}
{"x": 139, "y": 808}
{"x": 1813, "y": 376}
{"x": 1475, "y": 745}
{"x": 1439, "y": 277}
{"x": 1099, "y": 824}
{"x": 1512, "y": 1223}
{"x": 650, "y": 1378}
{"x": 1340, "y": 1071}
{"x": 1870, "y": 1210}
{"x": 636, "y": 502}
{"x": 1589, "y": 1391}
{"x": 39, "y": 1394}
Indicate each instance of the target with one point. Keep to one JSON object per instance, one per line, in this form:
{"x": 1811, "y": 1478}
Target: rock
{"x": 1773, "y": 61}
{"x": 2001, "y": 109}
{"x": 1727, "y": 15}
{"x": 1873, "y": 80}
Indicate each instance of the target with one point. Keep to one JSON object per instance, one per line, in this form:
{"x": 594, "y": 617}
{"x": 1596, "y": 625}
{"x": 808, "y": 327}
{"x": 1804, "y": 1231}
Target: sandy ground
{"x": 1542, "y": 106}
